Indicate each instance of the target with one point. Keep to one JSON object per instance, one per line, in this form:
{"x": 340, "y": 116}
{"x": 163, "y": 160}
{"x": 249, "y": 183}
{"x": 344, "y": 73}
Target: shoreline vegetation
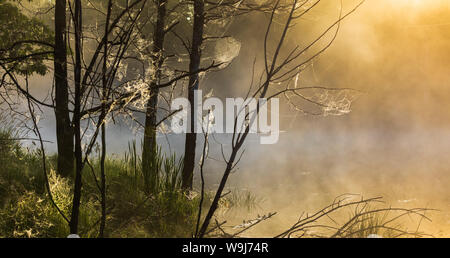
{"x": 26, "y": 212}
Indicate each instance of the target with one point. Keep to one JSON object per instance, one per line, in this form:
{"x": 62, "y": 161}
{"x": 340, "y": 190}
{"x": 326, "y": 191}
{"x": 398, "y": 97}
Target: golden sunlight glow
{"x": 410, "y": 3}
{"x": 419, "y": 3}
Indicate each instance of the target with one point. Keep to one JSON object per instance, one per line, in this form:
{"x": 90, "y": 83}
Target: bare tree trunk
{"x": 194, "y": 66}
{"x": 219, "y": 192}
{"x": 64, "y": 133}
{"x": 103, "y": 129}
{"x": 77, "y": 120}
{"x": 149, "y": 145}
{"x": 103, "y": 183}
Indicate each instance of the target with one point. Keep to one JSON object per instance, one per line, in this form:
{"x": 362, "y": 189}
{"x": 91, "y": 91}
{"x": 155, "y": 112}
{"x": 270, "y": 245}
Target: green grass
{"x": 25, "y": 209}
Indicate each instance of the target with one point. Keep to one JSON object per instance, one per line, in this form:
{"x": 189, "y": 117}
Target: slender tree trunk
{"x": 103, "y": 129}
{"x": 149, "y": 146}
{"x": 64, "y": 132}
{"x": 103, "y": 183}
{"x": 77, "y": 120}
{"x": 194, "y": 66}
{"x": 218, "y": 195}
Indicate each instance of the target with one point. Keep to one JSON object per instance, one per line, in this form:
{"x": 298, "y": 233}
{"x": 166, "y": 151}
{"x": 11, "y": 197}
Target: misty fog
{"x": 396, "y": 141}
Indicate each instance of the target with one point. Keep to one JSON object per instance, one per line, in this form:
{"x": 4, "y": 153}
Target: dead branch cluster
{"x": 348, "y": 216}
{"x": 365, "y": 219}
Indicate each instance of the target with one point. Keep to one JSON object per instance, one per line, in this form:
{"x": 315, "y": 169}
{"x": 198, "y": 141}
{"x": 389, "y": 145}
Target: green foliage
{"x": 29, "y": 214}
{"x": 168, "y": 170}
{"x": 20, "y": 168}
{"x": 133, "y": 211}
{"x": 24, "y": 42}
{"x": 26, "y": 211}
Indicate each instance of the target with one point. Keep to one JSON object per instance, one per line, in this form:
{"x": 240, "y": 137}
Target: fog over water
{"x": 394, "y": 143}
